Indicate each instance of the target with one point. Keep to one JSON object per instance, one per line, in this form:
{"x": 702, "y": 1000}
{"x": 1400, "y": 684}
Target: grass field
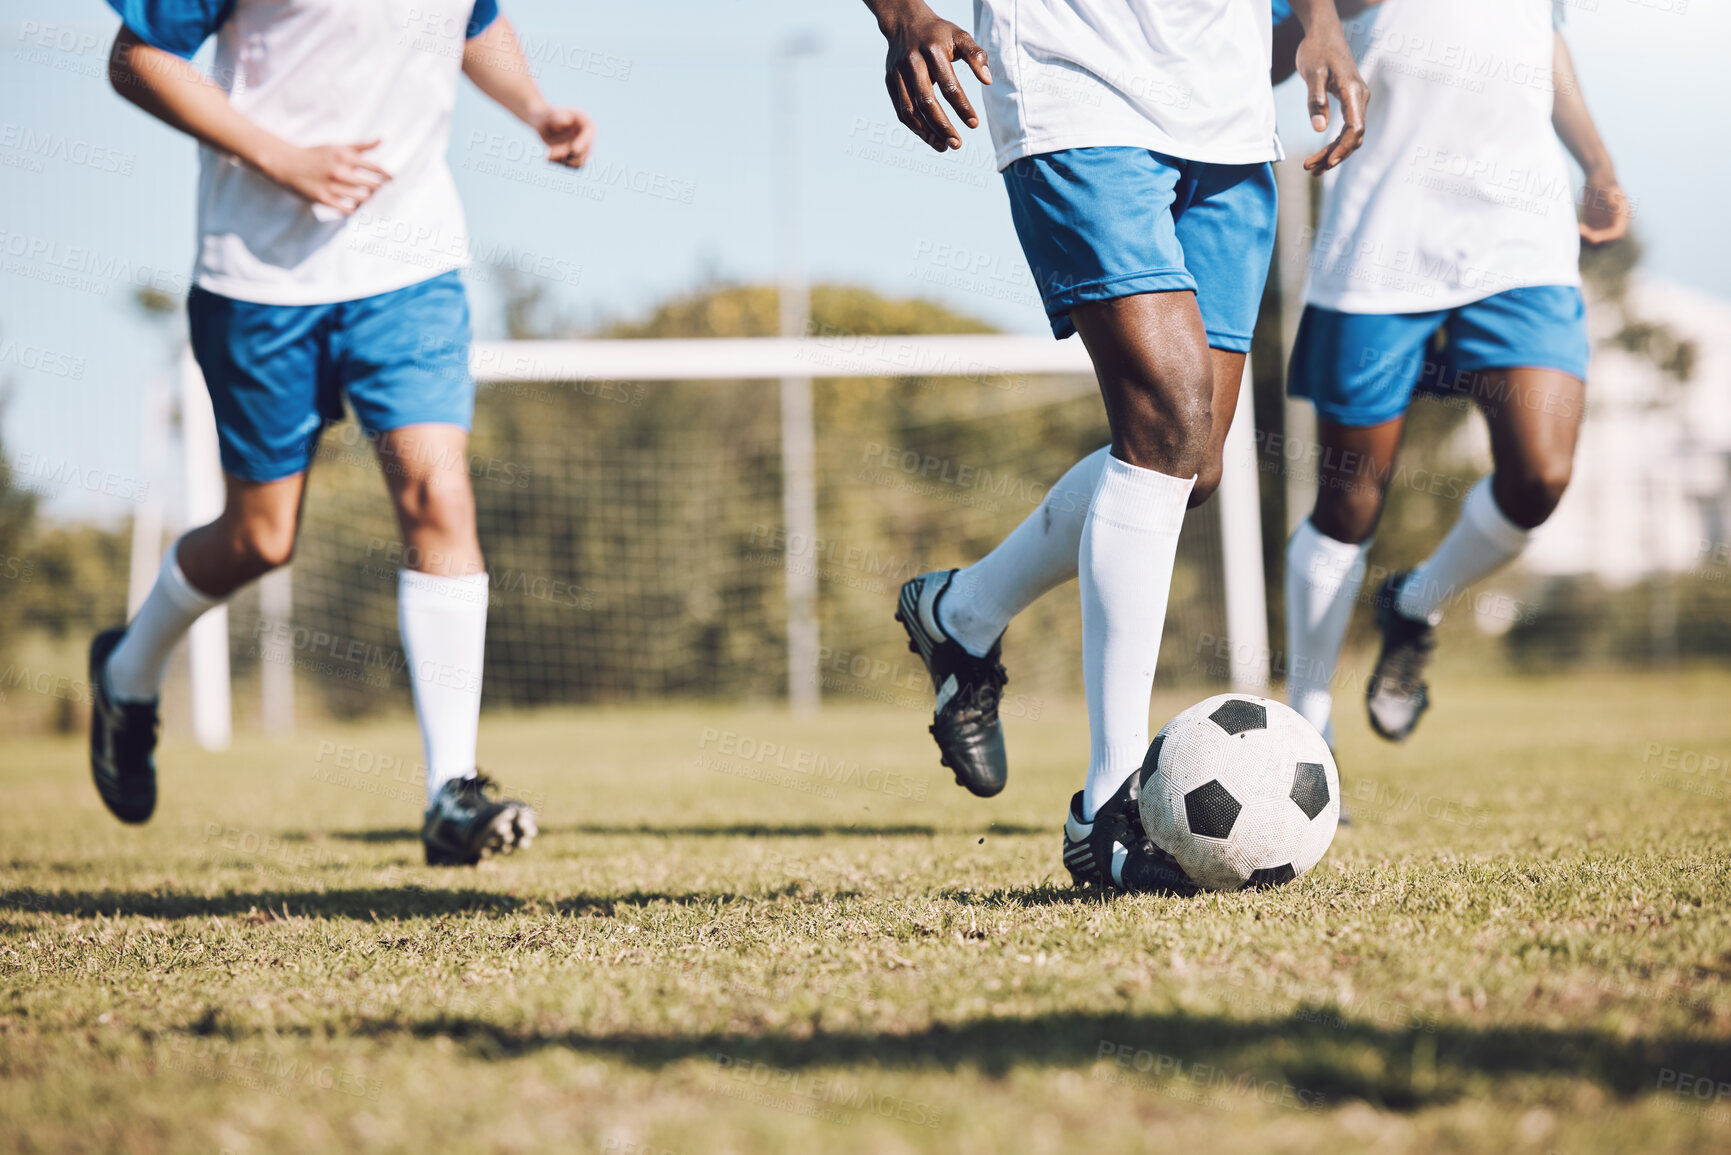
{"x": 1522, "y": 944}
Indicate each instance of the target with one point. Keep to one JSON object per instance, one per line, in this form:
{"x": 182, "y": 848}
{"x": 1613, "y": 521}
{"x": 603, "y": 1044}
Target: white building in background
{"x": 1652, "y": 482}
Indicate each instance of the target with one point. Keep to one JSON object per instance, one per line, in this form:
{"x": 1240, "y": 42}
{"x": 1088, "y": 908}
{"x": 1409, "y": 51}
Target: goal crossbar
{"x": 831, "y": 354}
{"x": 970, "y": 355}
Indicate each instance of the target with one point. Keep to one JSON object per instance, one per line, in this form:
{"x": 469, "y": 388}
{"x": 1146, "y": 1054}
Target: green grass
{"x": 1522, "y": 945}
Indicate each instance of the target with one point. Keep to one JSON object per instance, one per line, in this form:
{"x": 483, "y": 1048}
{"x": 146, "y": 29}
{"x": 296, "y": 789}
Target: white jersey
{"x": 1183, "y": 77}
{"x": 1462, "y": 189}
{"x": 317, "y": 72}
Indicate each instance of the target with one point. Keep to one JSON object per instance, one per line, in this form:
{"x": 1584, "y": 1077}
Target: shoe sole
{"x": 1384, "y": 603}
{"x": 962, "y": 780}
{"x": 902, "y": 603}
{"x": 511, "y": 830}
{"x": 1395, "y": 736}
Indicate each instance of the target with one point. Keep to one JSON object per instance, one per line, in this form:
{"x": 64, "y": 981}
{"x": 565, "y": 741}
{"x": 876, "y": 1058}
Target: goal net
{"x": 637, "y": 545}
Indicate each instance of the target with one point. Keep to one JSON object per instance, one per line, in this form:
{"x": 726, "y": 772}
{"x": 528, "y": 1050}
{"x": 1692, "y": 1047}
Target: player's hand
{"x": 569, "y": 134}
{"x": 922, "y": 45}
{"x": 1605, "y": 209}
{"x": 338, "y": 176}
{"x": 1325, "y": 61}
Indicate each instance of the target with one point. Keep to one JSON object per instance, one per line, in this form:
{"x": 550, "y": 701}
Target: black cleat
{"x": 1396, "y": 695}
{"x": 122, "y": 741}
{"x": 1113, "y": 852}
{"x": 965, "y": 722}
{"x": 465, "y": 825}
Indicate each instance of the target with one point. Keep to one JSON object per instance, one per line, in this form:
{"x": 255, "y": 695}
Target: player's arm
{"x": 169, "y": 88}
{"x": 922, "y": 47}
{"x": 1289, "y": 34}
{"x": 1324, "y": 59}
{"x": 1605, "y": 208}
{"x": 494, "y": 61}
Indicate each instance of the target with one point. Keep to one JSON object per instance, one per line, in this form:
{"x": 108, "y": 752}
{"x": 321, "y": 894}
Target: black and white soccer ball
{"x": 1242, "y": 791}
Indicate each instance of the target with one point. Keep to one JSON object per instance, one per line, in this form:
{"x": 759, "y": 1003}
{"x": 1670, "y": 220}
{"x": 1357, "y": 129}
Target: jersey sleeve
{"x": 485, "y": 12}
{"x": 174, "y": 26}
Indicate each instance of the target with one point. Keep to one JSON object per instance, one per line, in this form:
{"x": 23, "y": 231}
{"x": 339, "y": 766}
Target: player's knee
{"x": 264, "y": 546}
{"x": 438, "y": 503}
{"x": 1347, "y": 516}
{"x": 1207, "y": 481}
{"x": 1168, "y": 429}
{"x": 1534, "y": 493}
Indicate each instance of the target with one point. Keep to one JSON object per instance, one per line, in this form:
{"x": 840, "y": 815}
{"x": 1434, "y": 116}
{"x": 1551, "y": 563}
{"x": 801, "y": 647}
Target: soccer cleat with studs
{"x": 122, "y": 740}
{"x": 965, "y": 721}
{"x": 465, "y": 823}
{"x": 1113, "y": 852}
{"x": 1396, "y": 695}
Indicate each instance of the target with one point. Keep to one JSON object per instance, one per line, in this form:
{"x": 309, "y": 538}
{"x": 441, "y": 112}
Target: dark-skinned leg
{"x": 1535, "y": 422}
{"x": 1156, "y": 376}
{"x": 1534, "y": 417}
{"x": 1228, "y": 373}
{"x": 1325, "y": 558}
{"x": 1353, "y": 472}
{"x": 1040, "y": 553}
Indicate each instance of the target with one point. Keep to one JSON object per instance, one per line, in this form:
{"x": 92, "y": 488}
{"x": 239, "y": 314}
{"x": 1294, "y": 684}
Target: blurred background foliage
{"x": 633, "y": 531}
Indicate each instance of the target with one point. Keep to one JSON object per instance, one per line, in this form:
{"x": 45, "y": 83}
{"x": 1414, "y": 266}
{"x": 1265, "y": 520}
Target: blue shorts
{"x": 1102, "y": 223}
{"x": 278, "y": 373}
{"x": 1362, "y": 369}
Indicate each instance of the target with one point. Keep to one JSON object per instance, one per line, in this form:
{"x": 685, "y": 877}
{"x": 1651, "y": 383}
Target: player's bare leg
{"x": 442, "y": 613}
{"x": 1152, "y": 359}
{"x": 254, "y": 535}
{"x": 955, "y": 619}
{"x": 1534, "y": 417}
{"x": 1325, "y": 559}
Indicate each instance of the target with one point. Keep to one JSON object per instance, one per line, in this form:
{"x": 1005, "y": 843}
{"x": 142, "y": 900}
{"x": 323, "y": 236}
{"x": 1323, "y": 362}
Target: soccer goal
{"x": 715, "y": 518}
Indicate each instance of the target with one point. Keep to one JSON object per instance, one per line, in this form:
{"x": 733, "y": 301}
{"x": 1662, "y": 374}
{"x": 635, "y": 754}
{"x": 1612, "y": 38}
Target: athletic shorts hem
{"x": 1354, "y": 417}
{"x": 1058, "y": 305}
{"x": 1229, "y": 342}
{"x": 1572, "y": 367}
{"x": 263, "y": 474}
{"x": 1363, "y": 369}
{"x": 398, "y": 421}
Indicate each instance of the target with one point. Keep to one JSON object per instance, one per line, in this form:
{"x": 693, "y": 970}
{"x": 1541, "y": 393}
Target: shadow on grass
{"x": 794, "y": 830}
{"x": 1312, "y": 1051}
{"x": 1062, "y": 894}
{"x": 371, "y": 903}
{"x": 402, "y": 834}
{"x": 749, "y": 830}
{"x": 709, "y": 830}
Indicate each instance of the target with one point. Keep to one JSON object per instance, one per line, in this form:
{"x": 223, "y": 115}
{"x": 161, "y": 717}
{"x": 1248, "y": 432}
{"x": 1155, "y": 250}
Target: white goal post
{"x": 770, "y": 359}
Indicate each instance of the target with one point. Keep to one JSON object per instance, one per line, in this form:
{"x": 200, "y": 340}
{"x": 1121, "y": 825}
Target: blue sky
{"x": 682, "y": 188}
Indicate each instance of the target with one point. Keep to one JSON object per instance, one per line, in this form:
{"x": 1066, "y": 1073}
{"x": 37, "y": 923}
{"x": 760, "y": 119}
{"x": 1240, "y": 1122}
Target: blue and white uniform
{"x": 1448, "y": 244}
{"x": 295, "y": 307}
{"x": 1135, "y": 138}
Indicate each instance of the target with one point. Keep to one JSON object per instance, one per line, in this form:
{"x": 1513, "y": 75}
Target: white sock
{"x": 1482, "y": 541}
{"x": 1039, "y": 555}
{"x": 443, "y": 621}
{"x": 138, "y": 663}
{"x": 1323, "y": 577}
{"x": 1128, "y": 547}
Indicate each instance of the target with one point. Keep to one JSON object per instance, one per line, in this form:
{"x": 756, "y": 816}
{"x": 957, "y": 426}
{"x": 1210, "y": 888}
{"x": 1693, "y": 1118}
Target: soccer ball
{"x": 1242, "y": 791}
